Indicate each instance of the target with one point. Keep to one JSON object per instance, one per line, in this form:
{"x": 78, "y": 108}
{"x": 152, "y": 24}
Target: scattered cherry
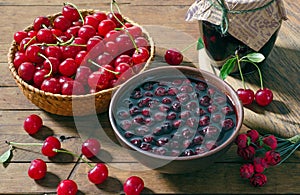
{"x": 49, "y": 145}
{"x": 134, "y": 185}
{"x": 246, "y": 96}
{"x": 67, "y": 187}
{"x": 263, "y": 97}
{"x": 37, "y": 169}
{"x": 98, "y": 174}
{"x": 173, "y": 56}
{"x": 32, "y": 124}
{"x": 90, "y": 147}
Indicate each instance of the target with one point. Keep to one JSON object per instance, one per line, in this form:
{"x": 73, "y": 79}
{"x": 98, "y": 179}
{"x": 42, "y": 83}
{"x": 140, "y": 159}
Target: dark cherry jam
{"x": 175, "y": 116}
{"x": 221, "y": 46}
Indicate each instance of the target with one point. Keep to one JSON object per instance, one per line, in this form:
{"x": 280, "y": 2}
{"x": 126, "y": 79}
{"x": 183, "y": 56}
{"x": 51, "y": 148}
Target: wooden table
{"x": 222, "y": 177}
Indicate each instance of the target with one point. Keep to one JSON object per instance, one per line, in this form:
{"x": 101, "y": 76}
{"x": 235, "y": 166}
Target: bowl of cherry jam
{"x": 176, "y": 119}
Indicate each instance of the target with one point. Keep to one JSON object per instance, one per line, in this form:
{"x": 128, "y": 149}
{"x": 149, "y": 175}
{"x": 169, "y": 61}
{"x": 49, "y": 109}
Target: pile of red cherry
{"x": 71, "y": 54}
{"x": 90, "y": 148}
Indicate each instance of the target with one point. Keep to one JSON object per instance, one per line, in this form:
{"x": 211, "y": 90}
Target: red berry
{"x": 67, "y": 187}
{"x": 19, "y": 36}
{"x": 123, "y": 59}
{"x": 86, "y": 32}
{"x": 72, "y": 88}
{"x": 173, "y": 57}
{"x": 92, "y": 20}
{"x": 98, "y": 174}
{"x": 68, "y": 67}
{"x": 105, "y": 26}
{"x": 39, "y": 77}
{"x": 133, "y": 185}
{"x": 98, "y": 80}
{"x": 32, "y": 124}
{"x": 49, "y": 145}
{"x": 140, "y": 55}
{"x": 100, "y": 16}
{"x": 45, "y": 36}
{"x": 264, "y": 97}
{"x": 113, "y": 17}
{"x": 33, "y": 54}
{"x": 37, "y": 169}
{"x": 62, "y": 23}
{"x": 246, "y": 96}
{"x": 51, "y": 85}
{"x": 70, "y": 13}
{"x": 90, "y": 147}
{"x": 39, "y": 22}
{"x": 19, "y": 59}
{"x": 26, "y": 71}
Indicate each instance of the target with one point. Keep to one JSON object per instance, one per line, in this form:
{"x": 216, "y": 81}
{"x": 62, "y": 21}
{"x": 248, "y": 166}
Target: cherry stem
{"x": 111, "y": 71}
{"x": 259, "y": 72}
{"x": 73, "y": 154}
{"x": 240, "y": 70}
{"x": 33, "y": 38}
{"x": 189, "y": 46}
{"x": 51, "y": 66}
{"x": 23, "y": 144}
{"x": 294, "y": 139}
{"x": 73, "y": 5}
{"x": 113, "y": 2}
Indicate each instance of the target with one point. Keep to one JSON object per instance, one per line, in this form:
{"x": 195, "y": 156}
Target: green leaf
{"x": 255, "y": 57}
{"x": 227, "y": 68}
{"x": 5, "y": 156}
{"x": 200, "y": 44}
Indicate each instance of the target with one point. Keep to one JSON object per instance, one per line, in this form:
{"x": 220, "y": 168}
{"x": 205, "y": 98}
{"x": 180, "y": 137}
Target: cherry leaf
{"x": 5, "y": 156}
{"x": 227, "y": 68}
{"x": 200, "y": 44}
{"x": 255, "y": 57}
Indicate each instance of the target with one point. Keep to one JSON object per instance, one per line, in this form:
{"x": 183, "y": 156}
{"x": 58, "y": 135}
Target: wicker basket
{"x": 69, "y": 105}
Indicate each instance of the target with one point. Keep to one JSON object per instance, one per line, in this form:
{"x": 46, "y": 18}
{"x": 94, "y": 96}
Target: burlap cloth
{"x": 252, "y": 22}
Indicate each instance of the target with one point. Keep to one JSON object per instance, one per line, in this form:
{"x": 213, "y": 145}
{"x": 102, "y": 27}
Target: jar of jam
{"x": 228, "y": 27}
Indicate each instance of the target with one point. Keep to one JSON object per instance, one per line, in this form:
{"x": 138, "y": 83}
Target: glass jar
{"x": 220, "y": 47}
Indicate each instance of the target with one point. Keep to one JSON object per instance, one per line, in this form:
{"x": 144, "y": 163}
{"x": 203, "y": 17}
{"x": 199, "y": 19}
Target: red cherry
{"x": 135, "y": 31}
{"x": 246, "y": 96}
{"x": 121, "y": 68}
{"x": 54, "y": 51}
{"x": 45, "y": 36}
{"x": 112, "y": 48}
{"x": 26, "y": 71}
{"x": 67, "y": 187}
{"x": 19, "y": 36}
{"x": 68, "y": 67}
{"x": 79, "y": 59}
{"x": 173, "y": 56}
{"x": 86, "y": 32}
{"x": 62, "y": 79}
{"x": 134, "y": 185}
{"x": 123, "y": 59}
{"x": 125, "y": 44}
{"x": 70, "y": 13}
{"x": 104, "y": 59}
{"x": 98, "y": 80}
{"x": 32, "y": 33}
{"x": 90, "y": 147}
{"x": 26, "y": 42}
{"x": 100, "y": 16}
{"x": 51, "y": 85}
{"x": 32, "y": 124}
{"x": 37, "y": 169}
{"x": 82, "y": 74}
{"x": 33, "y": 54}
{"x": 53, "y": 66}
{"x": 142, "y": 42}
{"x": 39, "y": 77}
{"x": 92, "y": 20}
{"x": 56, "y": 32}
{"x": 141, "y": 55}
{"x": 105, "y": 26}
{"x": 41, "y": 21}
{"x": 112, "y": 35}
{"x": 72, "y": 88}
{"x": 19, "y": 59}
{"x": 92, "y": 42}
{"x": 112, "y": 17}
{"x": 72, "y": 32}
{"x": 49, "y": 145}
{"x": 62, "y": 23}
{"x": 264, "y": 97}
{"x": 98, "y": 174}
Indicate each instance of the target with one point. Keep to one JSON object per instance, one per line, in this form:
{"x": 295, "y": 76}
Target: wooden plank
{"x": 220, "y": 178}
{"x": 16, "y": 173}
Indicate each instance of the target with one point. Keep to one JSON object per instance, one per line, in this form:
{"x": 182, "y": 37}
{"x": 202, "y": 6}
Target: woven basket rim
{"x": 24, "y": 84}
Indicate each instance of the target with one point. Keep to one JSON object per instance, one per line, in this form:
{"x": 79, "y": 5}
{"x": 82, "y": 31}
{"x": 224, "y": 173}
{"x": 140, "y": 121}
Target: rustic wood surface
{"x": 164, "y": 20}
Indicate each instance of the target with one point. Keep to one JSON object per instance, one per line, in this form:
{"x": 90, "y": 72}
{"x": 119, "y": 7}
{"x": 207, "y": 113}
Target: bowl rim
{"x": 235, "y": 101}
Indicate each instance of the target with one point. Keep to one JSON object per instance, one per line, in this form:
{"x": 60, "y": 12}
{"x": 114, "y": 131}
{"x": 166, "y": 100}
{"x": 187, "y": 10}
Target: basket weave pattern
{"x": 67, "y": 105}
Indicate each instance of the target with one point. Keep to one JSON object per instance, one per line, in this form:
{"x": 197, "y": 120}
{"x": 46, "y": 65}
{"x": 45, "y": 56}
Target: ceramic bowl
{"x": 170, "y": 148}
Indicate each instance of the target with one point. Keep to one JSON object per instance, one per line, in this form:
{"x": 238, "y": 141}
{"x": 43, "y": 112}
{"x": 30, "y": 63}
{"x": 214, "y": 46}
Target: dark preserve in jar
{"x": 220, "y": 47}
